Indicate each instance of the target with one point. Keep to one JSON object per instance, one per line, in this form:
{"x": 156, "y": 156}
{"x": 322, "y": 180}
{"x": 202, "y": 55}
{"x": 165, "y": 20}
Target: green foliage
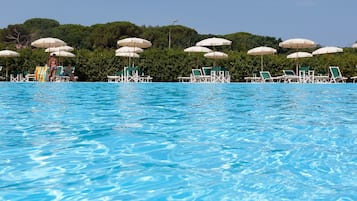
{"x": 106, "y": 35}
{"x": 245, "y": 41}
{"x": 40, "y": 27}
{"x": 76, "y": 35}
{"x": 40, "y": 24}
{"x": 181, "y": 37}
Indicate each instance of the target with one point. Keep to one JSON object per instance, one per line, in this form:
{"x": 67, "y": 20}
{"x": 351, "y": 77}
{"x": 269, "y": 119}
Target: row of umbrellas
{"x": 132, "y": 46}
{"x": 297, "y": 43}
{"x": 200, "y": 47}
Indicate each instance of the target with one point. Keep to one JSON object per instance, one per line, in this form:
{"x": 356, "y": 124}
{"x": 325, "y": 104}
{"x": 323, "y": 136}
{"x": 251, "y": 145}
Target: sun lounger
{"x": 290, "y": 76}
{"x": 336, "y": 75}
{"x": 197, "y": 75}
{"x": 220, "y": 75}
{"x": 266, "y": 77}
{"x": 129, "y": 74}
{"x": 1, "y": 77}
{"x": 306, "y": 74}
{"x": 61, "y": 76}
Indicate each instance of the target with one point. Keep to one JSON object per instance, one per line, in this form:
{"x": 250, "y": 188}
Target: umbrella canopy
{"x": 61, "y": 48}
{"x": 354, "y": 45}
{"x": 297, "y": 55}
{"x": 214, "y": 42}
{"x": 197, "y": 49}
{"x": 129, "y": 49}
{"x": 63, "y": 54}
{"x": 134, "y": 42}
{"x": 261, "y": 51}
{"x": 127, "y": 54}
{"x": 297, "y": 43}
{"x": 327, "y": 50}
{"x": 48, "y": 42}
{"x": 8, "y": 53}
{"x": 216, "y": 55}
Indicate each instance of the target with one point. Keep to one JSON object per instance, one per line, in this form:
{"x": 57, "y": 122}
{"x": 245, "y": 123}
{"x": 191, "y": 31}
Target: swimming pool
{"x": 174, "y": 141}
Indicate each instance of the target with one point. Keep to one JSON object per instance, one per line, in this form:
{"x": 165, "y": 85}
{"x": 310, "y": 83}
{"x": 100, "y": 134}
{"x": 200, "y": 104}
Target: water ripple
{"x": 171, "y": 141}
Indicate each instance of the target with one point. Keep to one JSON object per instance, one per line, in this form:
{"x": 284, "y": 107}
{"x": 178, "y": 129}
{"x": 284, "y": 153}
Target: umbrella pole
{"x": 196, "y": 61}
{"x": 7, "y": 69}
{"x": 261, "y": 62}
{"x": 297, "y": 66}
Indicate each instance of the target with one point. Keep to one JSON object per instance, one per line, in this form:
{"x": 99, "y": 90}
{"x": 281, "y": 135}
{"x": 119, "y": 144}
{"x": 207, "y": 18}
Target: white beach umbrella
{"x": 197, "y": 49}
{"x": 61, "y": 48}
{"x": 263, "y": 50}
{"x": 129, "y": 55}
{"x": 297, "y": 43}
{"x": 215, "y": 55}
{"x": 129, "y": 49}
{"x": 354, "y": 45}
{"x": 297, "y": 55}
{"x": 63, "y": 54}
{"x": 134, "y": 42}
{"x": 8, "y": 54}
{"x": 214, "y": 42}
{"x": 48, "y": 42}
{"x": 327, "y": 50}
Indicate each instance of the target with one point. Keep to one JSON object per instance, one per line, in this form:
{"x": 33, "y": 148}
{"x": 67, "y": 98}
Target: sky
{"x": 327, "y": 22}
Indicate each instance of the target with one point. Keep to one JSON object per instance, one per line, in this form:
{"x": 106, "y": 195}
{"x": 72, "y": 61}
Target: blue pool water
{"x": 174, "y": 141}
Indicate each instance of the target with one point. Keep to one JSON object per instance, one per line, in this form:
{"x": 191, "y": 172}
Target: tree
{"x": 74, "y": 35}
{"x": 18, "y": 35}
{"x": 106, "y": 35}
{"x": 40, "y": 25}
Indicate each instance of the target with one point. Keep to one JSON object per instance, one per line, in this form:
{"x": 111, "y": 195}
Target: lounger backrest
{"x": 289, "y": 72}
{"x": 59, "y": 71}
{"x": 207, "y": 70}
{"x": 265, "y": 75}
{"x": 131, "y": 71}
{"x": 219, "y": 68}
{"x": 119, "y": 73}
{"x": 335, "y": 71}
{"x": 304, "y": 68}
{"x": 196, "y": 72}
